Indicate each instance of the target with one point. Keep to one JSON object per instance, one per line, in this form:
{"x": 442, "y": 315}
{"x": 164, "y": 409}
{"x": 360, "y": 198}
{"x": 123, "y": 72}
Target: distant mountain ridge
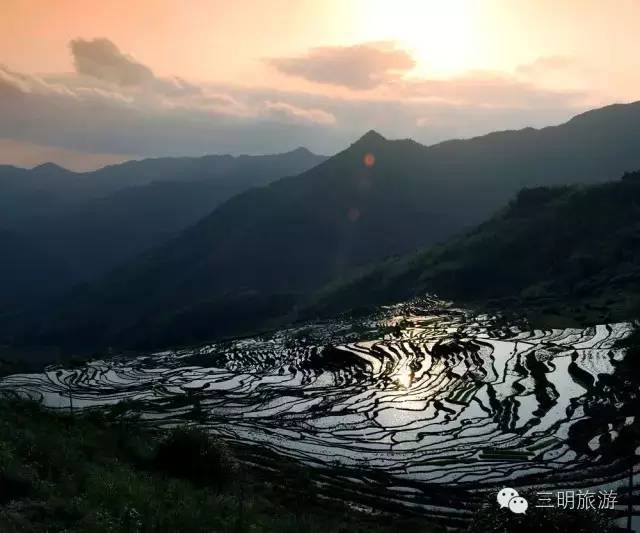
{"x": 265, "y": 251}
{"x": 51, "y": 187}
{"x": 96, "y": 220}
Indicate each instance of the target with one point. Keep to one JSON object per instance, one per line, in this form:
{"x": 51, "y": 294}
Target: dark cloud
{"x": 135, "y": 112}
{"x": 10, "y": 85}
{"x": 363, "y": 66}
{"x": 64, "y": 112}
{"x": 101, "y": 59}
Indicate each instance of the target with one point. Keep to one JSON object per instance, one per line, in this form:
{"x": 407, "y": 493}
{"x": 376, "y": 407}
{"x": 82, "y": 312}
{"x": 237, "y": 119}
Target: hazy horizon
{"x": 84, "y": 85}
{"x": 29, "y": 156}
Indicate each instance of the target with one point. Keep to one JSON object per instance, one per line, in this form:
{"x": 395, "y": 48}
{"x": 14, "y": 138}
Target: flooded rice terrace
{"x": 419, "y": 394}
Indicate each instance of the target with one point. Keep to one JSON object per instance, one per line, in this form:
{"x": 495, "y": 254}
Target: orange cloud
{"x": 362, "y": 66}
{"x": 114, "y": 104}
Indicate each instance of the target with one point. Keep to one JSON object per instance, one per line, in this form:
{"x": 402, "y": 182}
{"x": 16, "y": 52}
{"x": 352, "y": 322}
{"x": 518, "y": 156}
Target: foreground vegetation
{"x": 99, "y": 473}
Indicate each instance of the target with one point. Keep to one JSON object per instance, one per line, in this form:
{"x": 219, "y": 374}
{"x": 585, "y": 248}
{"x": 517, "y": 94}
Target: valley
{"x": 419, "y": 399}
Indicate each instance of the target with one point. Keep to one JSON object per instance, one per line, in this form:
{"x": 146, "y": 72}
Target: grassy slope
{"x": 90, "y": 473}
{"x": 562, "y": 256}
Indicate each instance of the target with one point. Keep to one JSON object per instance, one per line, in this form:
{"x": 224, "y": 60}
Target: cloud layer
{"x": 114, "y": 104}
{"x": 363, "y": 66}
{"x": 101, "y": 59}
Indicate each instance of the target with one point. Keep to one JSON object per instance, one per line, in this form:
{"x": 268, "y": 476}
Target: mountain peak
{"x": 301, "y": 150}
{"x": 49, "y": 167}
{"x": 372, "y": 136}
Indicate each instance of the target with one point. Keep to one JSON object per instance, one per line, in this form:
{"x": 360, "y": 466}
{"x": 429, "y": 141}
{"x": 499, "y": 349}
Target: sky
{"x": 85, "y": 83}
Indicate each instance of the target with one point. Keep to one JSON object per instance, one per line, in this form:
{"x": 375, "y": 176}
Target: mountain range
{"x": 27, "y": 272}
{"x": 562, "y": 256}
{"x": 97, "y": 220}
{"x": 263, "y": 253}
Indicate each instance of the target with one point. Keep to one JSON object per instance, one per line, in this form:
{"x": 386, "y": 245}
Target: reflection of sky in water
{"x": 429, "y": 402}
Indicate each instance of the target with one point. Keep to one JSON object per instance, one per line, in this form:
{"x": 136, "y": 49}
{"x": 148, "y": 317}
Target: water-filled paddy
{"x": 421, "y": 394}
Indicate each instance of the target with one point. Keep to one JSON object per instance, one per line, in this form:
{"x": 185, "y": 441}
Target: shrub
{"x": 631, "y": 176}
{"x": 192, "y": 454}
{"x": 537, "y": 196}
{"x": 15, "y": 484}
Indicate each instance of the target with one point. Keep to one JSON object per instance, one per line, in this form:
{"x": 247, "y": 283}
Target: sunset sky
{"x": 88, "y": 82}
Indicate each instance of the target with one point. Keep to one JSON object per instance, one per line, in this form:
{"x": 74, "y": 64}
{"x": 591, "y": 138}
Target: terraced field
{"x": 418, "y": 398}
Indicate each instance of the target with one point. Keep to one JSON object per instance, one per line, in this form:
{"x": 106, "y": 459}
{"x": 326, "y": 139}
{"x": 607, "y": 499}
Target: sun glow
{"x": 440, "y": 34}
